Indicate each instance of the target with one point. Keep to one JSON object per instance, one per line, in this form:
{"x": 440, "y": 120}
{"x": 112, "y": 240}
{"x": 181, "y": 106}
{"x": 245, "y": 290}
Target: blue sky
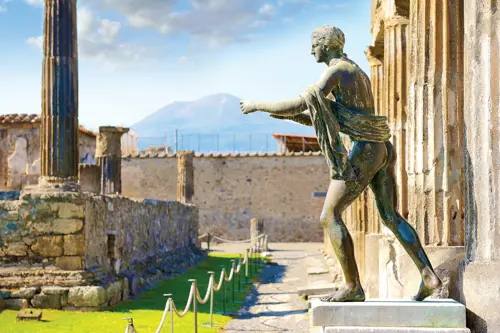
{"x": 136, "y": 56}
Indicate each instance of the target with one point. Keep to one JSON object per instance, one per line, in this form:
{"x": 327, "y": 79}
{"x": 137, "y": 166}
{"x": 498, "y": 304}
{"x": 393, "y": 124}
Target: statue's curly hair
{"x": 330, "y": 36}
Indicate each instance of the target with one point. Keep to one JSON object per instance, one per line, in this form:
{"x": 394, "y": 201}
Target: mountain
{"x": 212, "y": 123}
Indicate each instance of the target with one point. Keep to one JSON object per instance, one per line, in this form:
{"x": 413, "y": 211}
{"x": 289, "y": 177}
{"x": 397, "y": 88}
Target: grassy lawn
{"x": 146, "y": 310}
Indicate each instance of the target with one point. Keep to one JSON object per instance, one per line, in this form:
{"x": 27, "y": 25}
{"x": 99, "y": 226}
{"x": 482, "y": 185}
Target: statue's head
{"x": 327, "y": 40}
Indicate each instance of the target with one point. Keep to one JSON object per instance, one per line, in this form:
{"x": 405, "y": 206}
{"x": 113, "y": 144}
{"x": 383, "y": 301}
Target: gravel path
{"x": 273, "y": 305}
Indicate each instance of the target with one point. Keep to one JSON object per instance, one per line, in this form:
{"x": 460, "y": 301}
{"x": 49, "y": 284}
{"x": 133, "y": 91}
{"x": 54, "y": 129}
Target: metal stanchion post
{"x": 246, "y": 267}
{"x": 232, "y": 279}
{"x": 171, "y": 311}
{"x": 239, "y": 276}
{"x": 195, "y": 304}
{"x": 211, "y": 323}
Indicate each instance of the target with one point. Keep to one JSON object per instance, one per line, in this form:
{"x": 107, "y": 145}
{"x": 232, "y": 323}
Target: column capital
{"x": 108, "y": 141}
{"x": 375, "y": 54}
{"x": 395, "y": 21}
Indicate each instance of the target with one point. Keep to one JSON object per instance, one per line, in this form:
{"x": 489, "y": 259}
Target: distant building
{"x": 129, "y": 143}
{"x": 20, "y": 149}
{"x": 288, "y": 143}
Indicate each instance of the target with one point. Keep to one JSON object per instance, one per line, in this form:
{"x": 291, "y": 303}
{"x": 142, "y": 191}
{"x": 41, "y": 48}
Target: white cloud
{"x": 283, "y": 2}
{"x": 266, "y": 10}
{"x": 35, "y": 2}
{"x": 211, "y": 22}
{"x": 3, "y": 5}
{"x": 98, "y": 39}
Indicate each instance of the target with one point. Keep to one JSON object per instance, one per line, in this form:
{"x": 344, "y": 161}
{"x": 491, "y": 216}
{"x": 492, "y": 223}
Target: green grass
{"x": 146, "y": 310}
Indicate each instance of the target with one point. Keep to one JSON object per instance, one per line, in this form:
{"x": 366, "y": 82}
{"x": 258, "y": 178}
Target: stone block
{"x": 114, "y": 293}
{"x": 23, "y": 293}
{"x": 74, "y": 245}
{"x": 88, "y": 296}
{"x": 393, "y": 330}
{"x": 389, "y": 313}
{"x": 68, "y": 210}
{"x": 371, "y": 278}
{"x": 69, "y": 263}
{"x": 17, "y": 250}
{"x": 55, "y": 290}
{"x": 481, "y": 292}
{"x": 125, "y": 291}
{"x": 16, "y": 303}
{"x": 42, "y": 301}
{"x": 48, "y": 246}
{"x": 58, "y": 226}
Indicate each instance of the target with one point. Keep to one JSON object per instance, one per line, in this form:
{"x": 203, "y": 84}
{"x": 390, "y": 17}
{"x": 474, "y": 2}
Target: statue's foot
{"x": 345, "y": 294}
{"x": 430, "y": 283}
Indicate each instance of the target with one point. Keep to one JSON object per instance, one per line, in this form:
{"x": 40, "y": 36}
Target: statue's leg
{"x": 364, "y": 161}
{"x": 384, "y": 189}
{"x": 339, "y": 196}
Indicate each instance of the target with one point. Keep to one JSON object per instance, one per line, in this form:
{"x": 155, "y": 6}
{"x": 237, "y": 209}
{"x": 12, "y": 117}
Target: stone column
{"x": 59, "y": 124}
{"x": 109, "y": 158}
{"x": 185, "y": 178}
{"x": 481, "y": 281}
{"x": 395, "y": 98}
{"x": 256, "y": 229}
{"x": 435, "y": 122}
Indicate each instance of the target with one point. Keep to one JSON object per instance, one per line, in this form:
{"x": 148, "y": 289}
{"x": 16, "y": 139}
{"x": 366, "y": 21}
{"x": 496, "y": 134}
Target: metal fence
{"x": 217, "y": 142}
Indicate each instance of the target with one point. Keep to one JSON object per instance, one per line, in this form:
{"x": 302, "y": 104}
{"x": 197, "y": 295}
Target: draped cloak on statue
{"x": 329, "y": 118}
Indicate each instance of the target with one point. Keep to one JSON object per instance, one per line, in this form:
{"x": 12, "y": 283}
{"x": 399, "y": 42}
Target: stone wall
{"x": 20, "y": 153}
{"x": 73, "y": 250}
{"x": 231, "y": 189}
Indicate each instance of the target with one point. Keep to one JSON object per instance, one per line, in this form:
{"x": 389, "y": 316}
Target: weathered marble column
{"x": 481, "y": 282}
{"x": 59, "y": 127}
{"x": 109, "y": 158}
{"x": 185, "y": 176}
{"x": 435, "y": 122}
{"x": 395, "y": 98}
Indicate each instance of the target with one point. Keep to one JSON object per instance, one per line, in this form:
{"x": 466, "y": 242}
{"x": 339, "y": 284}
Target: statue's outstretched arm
{"x": 292, "y": 107}
{"x": 303, "y": 118}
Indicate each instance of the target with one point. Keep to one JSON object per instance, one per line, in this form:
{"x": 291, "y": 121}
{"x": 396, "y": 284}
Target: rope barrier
{"x": 194, "y": 293}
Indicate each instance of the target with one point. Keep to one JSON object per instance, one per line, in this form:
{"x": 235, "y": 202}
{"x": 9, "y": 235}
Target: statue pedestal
{"x": 389, "y": 316}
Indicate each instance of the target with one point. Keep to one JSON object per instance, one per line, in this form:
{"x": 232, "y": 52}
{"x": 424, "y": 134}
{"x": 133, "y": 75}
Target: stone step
{"x": 387, "y": 313}
{"x": 316, "y": 289}
{"x": 352, "y": 329}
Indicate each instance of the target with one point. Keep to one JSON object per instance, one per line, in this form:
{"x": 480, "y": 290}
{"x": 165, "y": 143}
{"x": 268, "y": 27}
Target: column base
{"x": 56, "y": 184}
{"x": 481, "y": 291}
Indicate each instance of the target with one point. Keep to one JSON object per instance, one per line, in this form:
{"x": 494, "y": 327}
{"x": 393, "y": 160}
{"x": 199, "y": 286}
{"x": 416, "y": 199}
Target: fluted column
{"x": 395, "y": 99}
{"x": 482, "y": 167}
{"x": 59, "y": 126}
{"x": 109, "y": 158}
{"x": 435, "y": 122}
{"x": 185, "y": 179}
{"x": 375, "y": 56}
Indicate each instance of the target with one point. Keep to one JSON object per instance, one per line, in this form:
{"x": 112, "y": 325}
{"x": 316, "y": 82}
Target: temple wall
{"x": 230, "y": 190}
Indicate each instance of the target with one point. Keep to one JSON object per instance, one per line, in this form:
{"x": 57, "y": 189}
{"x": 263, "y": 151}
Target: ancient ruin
{"x": 62, "y": 245}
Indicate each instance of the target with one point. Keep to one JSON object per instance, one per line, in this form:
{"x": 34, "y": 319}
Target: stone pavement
{"x": 273, "y": 304}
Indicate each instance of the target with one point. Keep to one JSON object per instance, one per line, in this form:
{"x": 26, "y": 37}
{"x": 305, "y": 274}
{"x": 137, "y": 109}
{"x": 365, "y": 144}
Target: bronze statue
{"x": 342, "y": 101}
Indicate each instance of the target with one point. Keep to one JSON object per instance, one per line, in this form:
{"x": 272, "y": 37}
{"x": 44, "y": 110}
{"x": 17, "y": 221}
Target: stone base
{"x": 392, "y": 330}
{"x": 399, "y": 277}
{"x": 481, "y": 289}
{"x": 316, "y": 289}
{"x": 405, "y": 314}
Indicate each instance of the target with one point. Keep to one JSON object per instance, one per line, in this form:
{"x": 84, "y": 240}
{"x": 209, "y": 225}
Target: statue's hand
{"x": 247, "y": 107}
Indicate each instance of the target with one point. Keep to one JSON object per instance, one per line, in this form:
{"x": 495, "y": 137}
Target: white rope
{"x": 236, "y": 242}
{"x": 230, "y": 275}
{"x": 167, "y": 309}
{"x": 221, "y": 280}
{"x": 207, "y": 294}
{"x": 188, "y": 305}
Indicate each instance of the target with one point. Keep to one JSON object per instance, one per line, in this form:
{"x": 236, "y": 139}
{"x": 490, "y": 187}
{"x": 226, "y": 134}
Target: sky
{"x": 136, "y": 56}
